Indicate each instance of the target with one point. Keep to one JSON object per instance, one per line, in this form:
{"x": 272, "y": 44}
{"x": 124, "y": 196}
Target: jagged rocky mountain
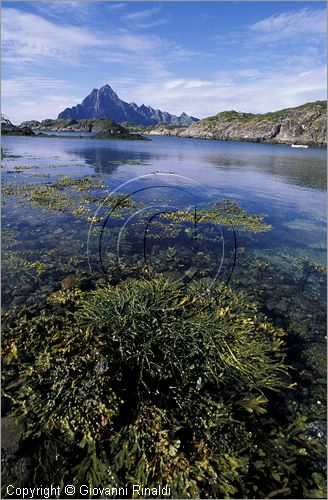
{"x": 105, "y": 103}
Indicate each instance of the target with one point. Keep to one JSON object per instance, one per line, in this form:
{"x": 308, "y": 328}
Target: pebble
{"x": 11, "y": 433}
{"x": 68, "y": 282}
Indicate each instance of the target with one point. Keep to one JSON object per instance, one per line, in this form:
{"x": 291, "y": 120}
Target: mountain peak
{"x": 106, "y": 88}
{"x": 105, "y": 103}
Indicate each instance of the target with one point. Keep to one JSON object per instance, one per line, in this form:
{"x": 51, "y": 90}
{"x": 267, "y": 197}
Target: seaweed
{"x": 224, "y": 212}
{"x": 106, "y": 376}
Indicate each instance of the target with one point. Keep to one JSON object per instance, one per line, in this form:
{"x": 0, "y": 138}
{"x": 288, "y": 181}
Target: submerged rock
{"x": 11, "y": 433}
{"x": 315, "y": 357}
{"x": 69, "y": 282}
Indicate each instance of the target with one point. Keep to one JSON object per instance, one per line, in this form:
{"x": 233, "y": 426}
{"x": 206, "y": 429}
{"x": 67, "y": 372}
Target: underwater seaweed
{"x": 145, "y": 382}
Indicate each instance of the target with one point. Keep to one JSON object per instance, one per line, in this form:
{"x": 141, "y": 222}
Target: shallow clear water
{"x": 78, "y": 212}
{"x": 46, "y": 249}
{"x": 286, "y": 185}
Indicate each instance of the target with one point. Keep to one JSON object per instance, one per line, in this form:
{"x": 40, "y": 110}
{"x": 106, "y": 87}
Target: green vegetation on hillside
{"x": 273, "y": 116}
{"x": 169, "y": 127}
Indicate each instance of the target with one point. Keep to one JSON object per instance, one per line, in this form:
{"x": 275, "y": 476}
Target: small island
{"x": 103, "y": 129}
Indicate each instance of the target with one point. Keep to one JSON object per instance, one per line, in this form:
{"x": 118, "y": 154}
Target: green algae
{"x": 61, "y": 194}
{"x": 223, "y": 212}
{"x": 106, "y": 376}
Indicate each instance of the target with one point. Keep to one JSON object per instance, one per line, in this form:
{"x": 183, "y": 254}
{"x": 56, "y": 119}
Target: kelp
{"x": 149, "y": 383}
{"x": 223, "y": 212}
{"x": 63, "y": 194}
{"x": 16, "y": 264}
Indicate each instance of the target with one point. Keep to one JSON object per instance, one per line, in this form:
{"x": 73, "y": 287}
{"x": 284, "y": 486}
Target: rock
{"x": 112, "y": 130}
{"x": 315, "y": 357}
{"x": 19, "y": 300}
{"x": 11, "y": 433}
{"x": 105, "y": 103}
{"x": 5, "y": 406}
{"x": 69, "y": 281}
{"x": 46, "y": 289}
{"x": 86, "y": 284}
{"x": 17, "y": 131}
{"x": 306, "y": 124}
{"x": 30, "y": 124}
{"x": 15, "y": 470}
{"x": 173, "y": 276}
{"x": 316, "y": 430}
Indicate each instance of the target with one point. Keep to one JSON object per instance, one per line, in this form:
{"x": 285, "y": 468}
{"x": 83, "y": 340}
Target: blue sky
{"x": 196, "y": 57}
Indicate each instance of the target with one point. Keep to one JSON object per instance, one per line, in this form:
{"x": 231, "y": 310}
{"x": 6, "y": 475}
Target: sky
{"x": 195, "y": 57}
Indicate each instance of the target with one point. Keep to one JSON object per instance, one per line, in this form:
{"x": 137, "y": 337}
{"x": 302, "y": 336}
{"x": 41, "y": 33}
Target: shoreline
{"x": 146, "y": 137}
{"x": 310, "y": 145}
{"x": 53, "y": 136}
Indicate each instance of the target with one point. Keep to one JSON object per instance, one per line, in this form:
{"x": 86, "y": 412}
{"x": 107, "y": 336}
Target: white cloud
{"x": 39, "y": 109}
{"x": 184, "y": 83}
{"x": 141, "y": 14}
{"x": 145, "y": 19}
{"x": 28, "y": 38}
{"x": 304, "y": 27}
{"x": 273, "y": 91}
{"x": 151, "y": 24}
{"x": 27, "y": 85}
{"x": 60, "y": 9}
{"x": 36, "y": 97}
{"x": 115, "y": 6}
{"x": 289, "y": 24}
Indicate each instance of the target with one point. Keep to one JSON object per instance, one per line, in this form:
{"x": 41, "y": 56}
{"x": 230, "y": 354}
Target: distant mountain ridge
{"x": 105, "y": 103}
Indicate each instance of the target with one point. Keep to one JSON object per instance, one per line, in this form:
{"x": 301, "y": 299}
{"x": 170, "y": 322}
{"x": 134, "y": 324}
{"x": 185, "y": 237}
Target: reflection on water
{"x": 303, "y": 171}
{"x": 105, "y": 160}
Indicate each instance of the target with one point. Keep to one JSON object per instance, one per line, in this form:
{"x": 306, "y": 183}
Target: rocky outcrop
{"x": 7, "y": 128}
{"x": 32, "y": 124}
{"x": 103, "y": 128}
{"x": 111, "y": 130}
{"x": 50, "y": 125}
{"x": 306, "y": 124}
{"x": 105, "y": 103}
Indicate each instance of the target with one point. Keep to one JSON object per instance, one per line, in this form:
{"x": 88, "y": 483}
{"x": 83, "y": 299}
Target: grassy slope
{"x": 274, "y": 116}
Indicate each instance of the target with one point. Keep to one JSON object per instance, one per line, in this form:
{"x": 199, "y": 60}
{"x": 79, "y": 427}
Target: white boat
{"x": 299, "y": 146}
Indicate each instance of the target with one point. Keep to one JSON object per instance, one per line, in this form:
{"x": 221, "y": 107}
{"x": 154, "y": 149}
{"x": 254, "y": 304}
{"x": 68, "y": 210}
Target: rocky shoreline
{"x": 304, "y": 125}
{"x": 102, "y": 128}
